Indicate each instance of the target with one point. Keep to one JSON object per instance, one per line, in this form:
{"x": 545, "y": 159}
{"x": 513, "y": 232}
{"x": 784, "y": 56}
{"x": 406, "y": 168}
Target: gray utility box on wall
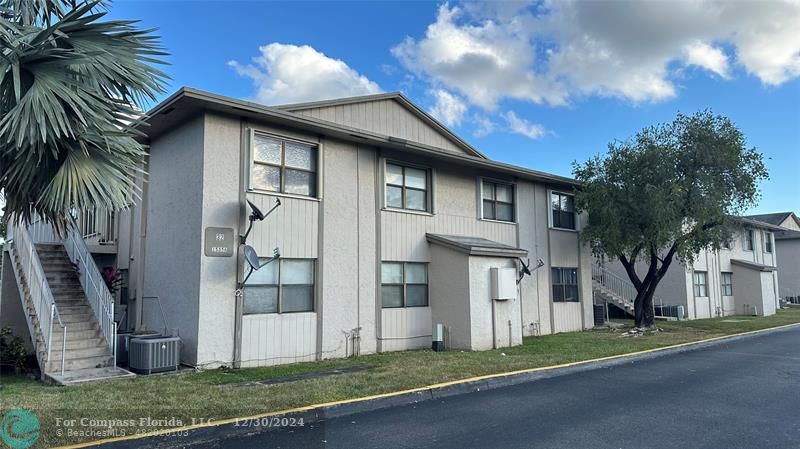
{"x": 153, "y": 355}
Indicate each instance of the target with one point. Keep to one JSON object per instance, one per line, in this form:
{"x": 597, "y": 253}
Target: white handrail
{"x": 98, "y": 223}
{"x": 23, "y": 249}
{"x": 94, "y": 286}
{"x": 618, "y": 285}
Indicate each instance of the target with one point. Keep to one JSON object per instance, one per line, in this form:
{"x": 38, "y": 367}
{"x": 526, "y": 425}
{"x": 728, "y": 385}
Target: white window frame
{"x": 514, "y": 198}
{"x": 550, "y": 193}
{"x": 768, "y": 246}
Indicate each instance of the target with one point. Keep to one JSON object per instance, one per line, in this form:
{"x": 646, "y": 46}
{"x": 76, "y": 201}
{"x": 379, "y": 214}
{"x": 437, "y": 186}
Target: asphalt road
{"x": 741, "y": 394}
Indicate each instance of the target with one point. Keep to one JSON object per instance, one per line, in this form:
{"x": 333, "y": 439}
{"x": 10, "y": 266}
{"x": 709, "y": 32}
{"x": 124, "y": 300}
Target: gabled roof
{"x": 756, "y": 223}
{"x": 188, "y": 102}
{"x": 775, "y": 218}
{"x": 399, "y": 98}
{"x": 476, "y": 246}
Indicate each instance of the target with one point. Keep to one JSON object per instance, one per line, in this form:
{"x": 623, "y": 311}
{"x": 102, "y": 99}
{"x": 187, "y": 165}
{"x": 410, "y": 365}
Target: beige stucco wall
{"x": 11, "y": 311}
{"x": 493, "y": 324}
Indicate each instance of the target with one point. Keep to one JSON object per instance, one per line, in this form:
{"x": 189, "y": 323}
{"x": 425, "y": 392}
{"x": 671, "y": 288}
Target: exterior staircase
{"x": 86, "y": 348}
{"x": 71, "y": 330}
{"x": 610, "y": 288}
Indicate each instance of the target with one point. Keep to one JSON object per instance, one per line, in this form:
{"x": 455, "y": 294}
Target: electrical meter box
{"x": 504, "y": 284}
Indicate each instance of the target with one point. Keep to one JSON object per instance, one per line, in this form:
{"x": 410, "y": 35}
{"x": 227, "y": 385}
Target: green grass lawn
{"x": 204, "y": 395}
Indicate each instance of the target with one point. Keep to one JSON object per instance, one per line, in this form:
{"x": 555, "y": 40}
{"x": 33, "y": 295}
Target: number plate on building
{"x": 219, "y": 242}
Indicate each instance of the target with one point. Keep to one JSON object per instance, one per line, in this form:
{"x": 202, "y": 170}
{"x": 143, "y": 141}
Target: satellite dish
{"x": 257, "y": 214}
{"x": 252, "y": 257}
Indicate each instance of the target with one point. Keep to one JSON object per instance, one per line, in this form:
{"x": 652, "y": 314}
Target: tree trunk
{"x": 644, "y": 316}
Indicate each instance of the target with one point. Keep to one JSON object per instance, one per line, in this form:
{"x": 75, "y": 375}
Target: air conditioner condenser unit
{"x": 154, "y": 355}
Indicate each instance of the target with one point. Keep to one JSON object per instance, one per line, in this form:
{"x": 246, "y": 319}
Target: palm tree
{"x": 71, "y": 87}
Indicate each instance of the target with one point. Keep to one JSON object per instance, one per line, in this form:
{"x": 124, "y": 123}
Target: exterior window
{"x": 727, "y": 244}
{"x": 565, "y": 284}
{"x": 768, "y": 242}
{"x": 406, "y": 187}
{"x": 563, "y": 207}
{"x": 284, "y": 166}
{"x": 748, "y": 240}
{"x": 404, "y": 284}
{"x": 284, "y": 286}
{"x": 727, "y": 284}
{"x": 700, "y": 284}
{"x": 498, "y": 201}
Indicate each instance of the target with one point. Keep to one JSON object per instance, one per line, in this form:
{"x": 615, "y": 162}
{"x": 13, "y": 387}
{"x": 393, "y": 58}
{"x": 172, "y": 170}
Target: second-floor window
{"x": 748, "y": 240}
{"x": 768, "y": 242}
{"x": 498, "y": 201}
{"x": 563, "y": 210}
{"x": 407, "y": 187}
{"x": 700, "y": 284}
{"x": 284, "y": 166}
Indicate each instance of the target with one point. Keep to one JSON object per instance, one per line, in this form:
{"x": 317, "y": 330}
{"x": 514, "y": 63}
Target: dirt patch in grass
{"x": 190, "y": 397}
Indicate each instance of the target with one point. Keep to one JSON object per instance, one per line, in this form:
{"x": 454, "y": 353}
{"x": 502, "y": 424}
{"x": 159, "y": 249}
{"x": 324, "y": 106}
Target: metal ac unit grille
{"x": 153, "y": 355}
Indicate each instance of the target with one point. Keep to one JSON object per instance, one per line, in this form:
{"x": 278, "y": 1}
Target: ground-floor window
{"x": 700, "y": 284}
{"x": 565, "y": 284}
{"x": 727, "y": 284}
{"x": 404, "y": 284}
{"x": 283, "y": 286}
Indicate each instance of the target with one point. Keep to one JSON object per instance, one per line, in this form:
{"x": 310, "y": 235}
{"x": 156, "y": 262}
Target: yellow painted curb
{"x": 306, "y": 408}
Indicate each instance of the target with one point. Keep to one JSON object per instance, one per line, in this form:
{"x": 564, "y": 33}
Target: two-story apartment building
{"x": 739, "y": 279}
{"x": 388, "y": 225}
{"x": 787, "y": 245}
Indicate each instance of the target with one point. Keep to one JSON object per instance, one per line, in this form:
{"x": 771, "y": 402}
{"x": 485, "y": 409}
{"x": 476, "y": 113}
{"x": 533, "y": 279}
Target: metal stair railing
{"x": 30, "y": 272}
{"x": 94, "y": 286}
{"x": 616, "y": 284}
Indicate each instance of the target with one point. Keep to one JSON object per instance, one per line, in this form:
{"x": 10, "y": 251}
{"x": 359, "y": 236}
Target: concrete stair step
{"x": 78, "y": 353}
{"x": 91, "y": 342}
{"x": 74, "y": 309}
{"x": 54, "y": 365}
{"x": 90, "y": 375}
{"x": 74, "y": 318}
{"x": 77, "y": 326}
{"x": 76, "y": 334}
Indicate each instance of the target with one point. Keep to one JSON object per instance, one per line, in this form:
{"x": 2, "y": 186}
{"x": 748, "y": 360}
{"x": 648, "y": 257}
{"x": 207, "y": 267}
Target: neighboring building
{"x": 739, "y": 279}
{"x": 786, "y": 220}
{"x": 787, "y": 244}
{"x": 389, "y": 224}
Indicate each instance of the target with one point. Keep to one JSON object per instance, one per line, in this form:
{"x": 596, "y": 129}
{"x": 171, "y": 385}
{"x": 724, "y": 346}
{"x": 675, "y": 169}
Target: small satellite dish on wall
{"x": 252, "y": 257}
{"x": 256, "y": 212}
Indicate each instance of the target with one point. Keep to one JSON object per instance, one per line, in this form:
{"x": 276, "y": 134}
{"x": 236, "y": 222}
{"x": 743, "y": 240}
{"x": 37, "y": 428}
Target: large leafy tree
{"x": 71, "y": 86}
{"x": 667, "y": 194}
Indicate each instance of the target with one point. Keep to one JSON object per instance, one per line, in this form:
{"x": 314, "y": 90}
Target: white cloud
{"x": 554, "y": 51}
{"x": 483, "y": 61}
{"x": 710, "y": 58}
{"x": 285, "y": 73}
{"x": 449, "y": 109}
{"x": 483, "y": 125}
{"x": 521, "y": 126}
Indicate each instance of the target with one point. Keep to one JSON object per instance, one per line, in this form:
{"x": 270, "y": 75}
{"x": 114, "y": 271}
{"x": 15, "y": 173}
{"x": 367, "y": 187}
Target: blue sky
{"x": 538, "y": 85}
